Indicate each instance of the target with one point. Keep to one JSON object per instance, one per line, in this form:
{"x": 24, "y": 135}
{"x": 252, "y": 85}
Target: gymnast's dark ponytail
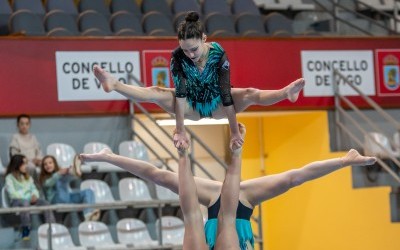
{"x": 191, "y": 27}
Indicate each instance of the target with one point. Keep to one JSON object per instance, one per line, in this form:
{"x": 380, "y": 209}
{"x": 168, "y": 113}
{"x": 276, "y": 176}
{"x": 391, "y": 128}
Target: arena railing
{"x": 371, "y": 176}
{"x": 159, "y": 204}
{"x": 340, "y": 125}
{"x": 336, "y": 7}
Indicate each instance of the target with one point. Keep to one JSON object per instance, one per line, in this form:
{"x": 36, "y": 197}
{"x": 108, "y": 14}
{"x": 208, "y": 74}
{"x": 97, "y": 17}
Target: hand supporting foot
{"x": 236, "y": 143}
{"x": 180, "y": 140}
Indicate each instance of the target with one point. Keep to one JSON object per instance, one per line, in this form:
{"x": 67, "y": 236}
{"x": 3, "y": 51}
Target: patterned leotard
{"x": 206, "y": 90}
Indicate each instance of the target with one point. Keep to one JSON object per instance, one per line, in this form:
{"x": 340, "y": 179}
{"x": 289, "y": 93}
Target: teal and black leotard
{"x": 243, "y": 225}
{"x": 206, "y": 90}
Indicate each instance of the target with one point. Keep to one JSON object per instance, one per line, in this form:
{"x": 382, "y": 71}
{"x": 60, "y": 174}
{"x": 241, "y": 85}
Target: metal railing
{"x": 337, "y": 6}
{"x": 337, "y": 77}
{"x": 159, "y": 204}
{"x": 169, "y": 150}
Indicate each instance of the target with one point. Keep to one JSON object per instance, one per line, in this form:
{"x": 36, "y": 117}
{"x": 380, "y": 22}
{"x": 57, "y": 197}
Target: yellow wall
{"x": 325, "y": 214}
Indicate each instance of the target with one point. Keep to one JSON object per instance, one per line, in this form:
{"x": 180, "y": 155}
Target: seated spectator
{"x": 26, "y": 144}
{"x": 55, "y": 182}
{"x": 23, "y": 192}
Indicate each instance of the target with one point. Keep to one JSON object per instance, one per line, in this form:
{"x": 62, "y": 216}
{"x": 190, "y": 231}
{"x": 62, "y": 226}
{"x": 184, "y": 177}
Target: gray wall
{"x": 76, "y": 131}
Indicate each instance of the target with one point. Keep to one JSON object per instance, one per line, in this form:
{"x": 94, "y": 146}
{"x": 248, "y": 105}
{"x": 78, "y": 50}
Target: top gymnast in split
{"x": 201, "y": 74}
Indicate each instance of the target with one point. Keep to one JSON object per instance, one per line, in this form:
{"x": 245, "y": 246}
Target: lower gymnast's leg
{"x": 227, "y": 237}
{"x": 264, "y": 188}
{"x": 139, "y": 168}
{"x": 188, "y": 198}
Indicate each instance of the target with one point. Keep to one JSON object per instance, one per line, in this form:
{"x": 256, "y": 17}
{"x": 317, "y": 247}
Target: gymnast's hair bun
{"x": 192, "y": 16}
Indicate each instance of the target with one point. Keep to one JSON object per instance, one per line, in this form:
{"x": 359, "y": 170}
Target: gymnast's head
{"x": 191, "y": 36}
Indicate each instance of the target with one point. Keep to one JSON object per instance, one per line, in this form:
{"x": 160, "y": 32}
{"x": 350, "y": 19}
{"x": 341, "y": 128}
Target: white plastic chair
{"x": 165, "y": 194}
{"x": 134, "y": 232}
{"x": 95, "y": 147}
{"x": 60, "y": 237}
{"x": 5, "y": 200}
{"x": 173, "y": 230}
{"x": 371, "y": 147}
{"x": 96, "y": 234}
{"x": 133, "y": 149}
{"x": 138, "y": 151}
{"x": 133, "y": 189}
{"x": 64, "y": 153}
{"x": 101, "y": 190}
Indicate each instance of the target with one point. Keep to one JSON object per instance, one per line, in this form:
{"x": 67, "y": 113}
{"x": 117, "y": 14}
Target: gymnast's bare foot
{"x": 294, "y": 88}
{"x": 354, "y": 158}
{"x": 108, "y": 81}
{"x": 100, "y": 156}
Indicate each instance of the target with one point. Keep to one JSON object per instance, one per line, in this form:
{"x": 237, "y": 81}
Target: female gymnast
{"x": 252, "y": 192}
{"x": 194, "y": 237}
{"x": 201, "y": 74}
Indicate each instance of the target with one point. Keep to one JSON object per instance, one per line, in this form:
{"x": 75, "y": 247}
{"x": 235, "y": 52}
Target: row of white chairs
{"x": 130, "y": 189}
{"x": 65, "y": 153}
{"x": 130, "y": 233}
{"x": 379, "y": 145}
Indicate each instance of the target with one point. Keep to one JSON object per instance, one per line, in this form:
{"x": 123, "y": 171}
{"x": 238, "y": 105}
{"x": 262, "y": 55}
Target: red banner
{"x": 29, "y": 78}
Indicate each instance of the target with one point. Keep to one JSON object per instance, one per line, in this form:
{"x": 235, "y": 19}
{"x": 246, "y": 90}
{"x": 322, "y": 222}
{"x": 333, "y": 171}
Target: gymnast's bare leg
{"x": 252, "y": 192}
{"x": 227, "y": 237}
{"x": 260, "y": 189}
{"x": 208, "y": 190}
{"x": 165, "y": 97}
{"x": 194, "y": 237}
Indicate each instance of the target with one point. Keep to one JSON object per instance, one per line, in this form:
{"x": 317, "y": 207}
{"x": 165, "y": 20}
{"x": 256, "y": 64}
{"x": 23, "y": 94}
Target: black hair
{"x": 191, "y": 27}
{"x": 23, "y": 116}
{"x": 14, "y": 165}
